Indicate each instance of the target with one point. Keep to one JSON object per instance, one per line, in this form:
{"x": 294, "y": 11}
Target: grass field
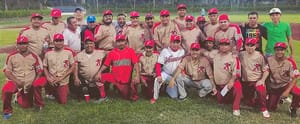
{"x": 192, "y": 111}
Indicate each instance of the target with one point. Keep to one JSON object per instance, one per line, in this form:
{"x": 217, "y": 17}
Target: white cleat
{"x": 236, "y": 112}
{"x": 266, "y": 114}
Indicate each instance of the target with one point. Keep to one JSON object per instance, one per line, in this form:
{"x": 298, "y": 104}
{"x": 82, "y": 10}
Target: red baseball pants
{"x": 25, "y": 100}
{"x": 234, "y": 95}
{"x": 249, "y": 90}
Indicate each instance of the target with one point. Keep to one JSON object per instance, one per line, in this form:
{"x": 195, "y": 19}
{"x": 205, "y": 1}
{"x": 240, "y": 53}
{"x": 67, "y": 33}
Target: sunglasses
{"x": 194, "y": 49}
{"x": 59, "y": 40}
{"x": 92, "y": 22}
{"x": 176, "y": 41}
{"x": 279, "y": 49}
{"x": 224, "y": 44}
{"x": 148, "y": 47}
{"x": 250, "y": 45}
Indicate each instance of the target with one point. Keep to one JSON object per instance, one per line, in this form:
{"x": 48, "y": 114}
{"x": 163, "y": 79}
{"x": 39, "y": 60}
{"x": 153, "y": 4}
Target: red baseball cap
{"x": 201, "y": 19}
{"x": 195, "y": 46}
{"x": 90, "y": 38}
{"x": 251, "y": 41}
{"x": 280, "y": 44}
{"x": 189, "y": 17}
{"x": 223, "y": 17}
{"x": 181, "y": 6}
{"x": 107, "y": 12}
{"x": 213, "y": 11}
{"x": 55, "y": 13}
{"x": 164, "y": 12}
{"x": 209, "y": 39}
{"x": 58, "y": 36}
{"x": 149, "y": 43}
{"x": 149, "y": 15}
{"x": 33, "y": 15}
{"x": 22, "y": 39}
{"x": 120, "y": 37}
{"x": 224, "y": 40}
{"x": 134, "y": 14}
{"x": 175, "y": 38}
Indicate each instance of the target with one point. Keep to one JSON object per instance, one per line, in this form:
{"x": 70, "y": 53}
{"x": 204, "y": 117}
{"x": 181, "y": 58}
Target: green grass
{"x": 192, "y": 111}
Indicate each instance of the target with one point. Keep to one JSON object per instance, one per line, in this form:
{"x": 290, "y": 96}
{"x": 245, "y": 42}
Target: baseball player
{"x": 37, "y": 35}
{"x": 22, "y": 70}
{"x": 106, "y": 33}
{"x": 121, "y": 59}
{"x": 135, "y": 33}
{"x": 89, "y": 62}
{"x": 169, "y": 59}
{"x": 89, "y": 29}
{"x": 148, "y": 26}
{"x": 211, "y": 27}
{"x": 164, "y": 29}
{"x": 229, "y": 31}
{"x": 147, "y": 64}
{"x": 55, "y": 25}
{"x": 283, "y": 79}
{"x": 226, "y": 69}
{"x": 255, "y": 71}
{"x": 201, "y": 24}
{"x": 210, "y": 51}
{"x": 58, "y": 65}
{"x": 196, "y": 68}
{"x": 191, "y": 34}
{"x": 180, "y": 19}
{"x": 72, "y": 35}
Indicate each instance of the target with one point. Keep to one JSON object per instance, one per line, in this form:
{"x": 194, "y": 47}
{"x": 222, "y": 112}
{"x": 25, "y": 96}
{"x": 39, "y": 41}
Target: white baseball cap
{"x": 275, "y": 10}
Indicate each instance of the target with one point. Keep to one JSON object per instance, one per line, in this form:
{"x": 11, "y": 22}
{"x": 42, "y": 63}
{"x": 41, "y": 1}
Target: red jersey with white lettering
{"x": 170, "y": 59}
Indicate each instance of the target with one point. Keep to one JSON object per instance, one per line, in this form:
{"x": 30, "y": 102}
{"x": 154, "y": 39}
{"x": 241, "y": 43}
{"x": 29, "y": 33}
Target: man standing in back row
{"x": 164, "y": 30}
{"x": 106, "y": 33}
{"x": 278, "y": 31}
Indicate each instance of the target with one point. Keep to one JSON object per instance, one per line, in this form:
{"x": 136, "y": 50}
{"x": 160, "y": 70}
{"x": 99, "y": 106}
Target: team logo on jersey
{"x": 285, "y": 73}
{"x": 98, "y": 62}
{"x": 256, "y": 67}
{"x": 66, "y": 63}
{"x": 226, "y": 66}
{"x": 201, "y": 69}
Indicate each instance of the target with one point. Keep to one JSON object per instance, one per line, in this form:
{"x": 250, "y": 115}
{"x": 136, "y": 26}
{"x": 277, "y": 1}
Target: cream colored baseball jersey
{"x": 108, "y": 42}
{"x": 196, "y": 69}
{"x": 37, "y": 38}
{"x": 163, "y": 33}
{"x": 58, "y": 62}
{"x": 253, "y": 66}
{"x": 147, "y": 63}
{"x": 281, "y": 73}
{"x": 135, "y": 36}
{"x": 89, "y": 64}
{"x": 224, "y": 67}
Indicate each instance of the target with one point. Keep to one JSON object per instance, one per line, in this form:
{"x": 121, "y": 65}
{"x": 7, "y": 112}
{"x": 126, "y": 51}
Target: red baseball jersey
{"x": 122, "y": 63}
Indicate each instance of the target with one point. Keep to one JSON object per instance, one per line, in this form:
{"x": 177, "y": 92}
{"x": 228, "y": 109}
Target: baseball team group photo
{"x": 164, "y": 61}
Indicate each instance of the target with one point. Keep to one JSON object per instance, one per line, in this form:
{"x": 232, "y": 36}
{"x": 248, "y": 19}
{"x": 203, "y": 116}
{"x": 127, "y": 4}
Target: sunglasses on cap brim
{"x": 164, "y": 15}
{"x": 195, "y": 49}
{"x": 176, "y": 41}
{"x": 225, "y": 44}
{"x": 59, "y": 40}
{"x": 279, "y": 48}
{"x": 250, "y": 44}
{"x": 148, "y": 47}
